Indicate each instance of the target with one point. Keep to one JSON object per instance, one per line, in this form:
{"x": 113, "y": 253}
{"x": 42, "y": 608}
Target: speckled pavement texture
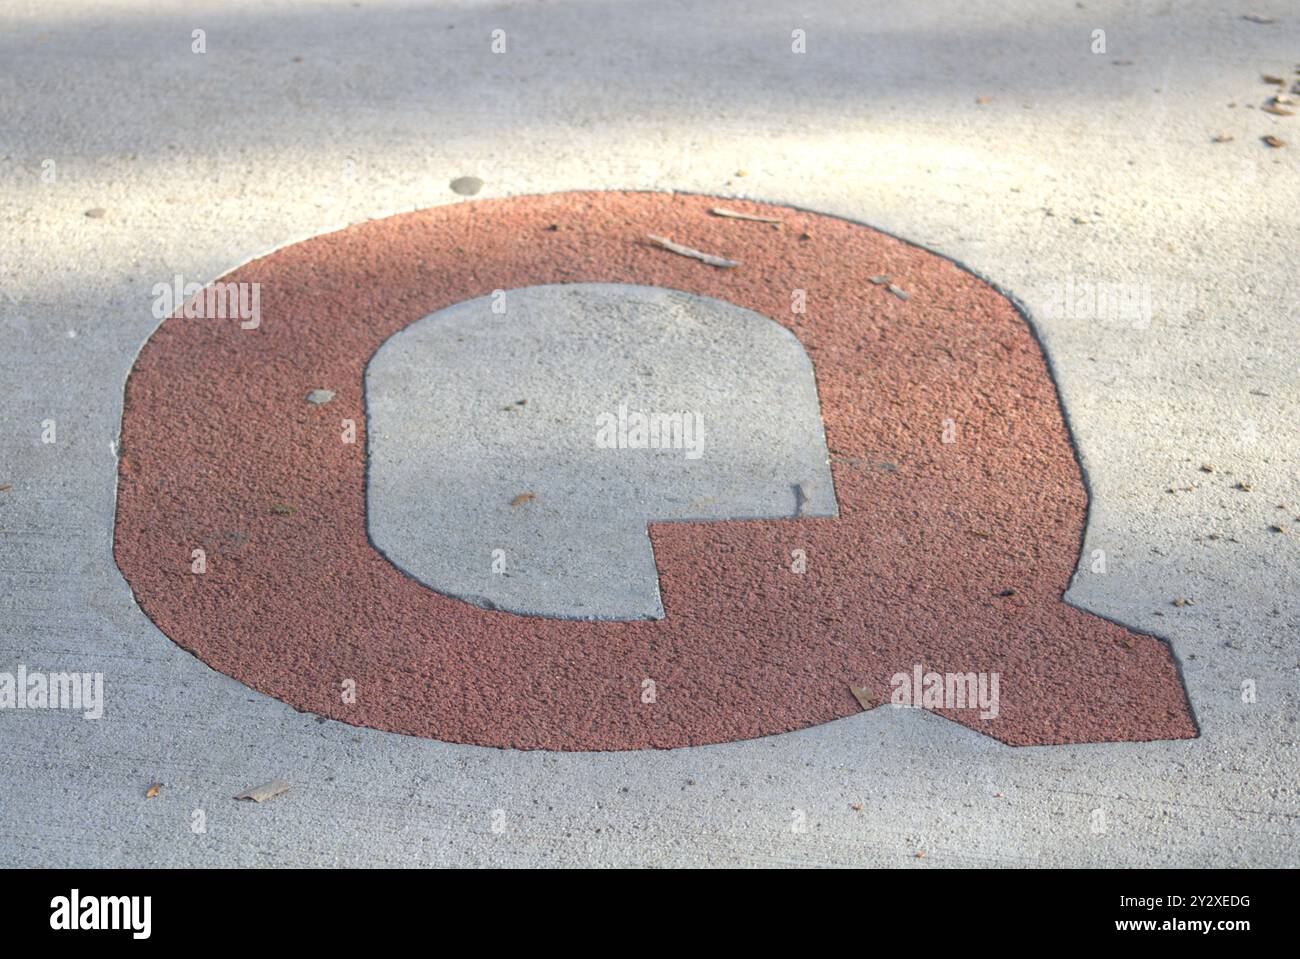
{"x": 988, "y": 133}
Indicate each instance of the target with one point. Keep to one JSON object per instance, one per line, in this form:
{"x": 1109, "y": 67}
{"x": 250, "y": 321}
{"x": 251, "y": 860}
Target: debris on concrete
{"x": 96, "y": 213}
{"x": 864, "y": 698}
{"x": 265, "y": 791}
{"x": 466, "y": 185}
{"x": 736, "y": 215}
{"x": 708, "y": 258}
{"x": 320, "y": 397}
{"x": 888, "y": 284}
{"x": 523, "y": 498}
{"x": 153, "y": 791}
{"x": 1274, "y": 142}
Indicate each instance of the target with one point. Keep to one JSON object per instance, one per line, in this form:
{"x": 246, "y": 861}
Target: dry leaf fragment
{"x": 856, "y": 807}
{"x": 1244, "y": 487}
{"x": 1278, "y": 528}
{"x": 680, "y": 250}
{"x": 1257, "y": 18}
{"x": 96, "y": 213}
{"x": 6, "y": 487}
{"x": 1277, "y": 110}
{"x": 1274, "y": 142}
{"x": 1276, "y": 81}
{"x": 283, "y": 509}
{"x": 523, "y": 498}
{"x": 920, "y": 854}
{"x": 265, "y": 791}
{"x": 153, "y": 791}
{"x": 1223, "y": 138}
{"x": 736, "y": 215}
{"x": 1184, "y": 602}
{"x": 864, "y": 698}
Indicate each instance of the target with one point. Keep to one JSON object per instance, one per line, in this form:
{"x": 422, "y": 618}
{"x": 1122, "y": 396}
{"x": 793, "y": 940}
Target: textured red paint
{"x": 217, "y": 433}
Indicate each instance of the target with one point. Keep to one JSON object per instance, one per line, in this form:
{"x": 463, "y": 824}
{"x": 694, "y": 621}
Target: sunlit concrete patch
{"x": 520, "y": 443}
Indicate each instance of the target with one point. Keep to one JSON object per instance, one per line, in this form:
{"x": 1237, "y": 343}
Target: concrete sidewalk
{"x": 989, "y": 132}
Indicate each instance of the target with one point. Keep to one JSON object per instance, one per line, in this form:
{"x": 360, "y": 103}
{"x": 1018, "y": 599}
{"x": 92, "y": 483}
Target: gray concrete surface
{"x": 1081, "y": 166}
{"x": 519, "y": 443}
